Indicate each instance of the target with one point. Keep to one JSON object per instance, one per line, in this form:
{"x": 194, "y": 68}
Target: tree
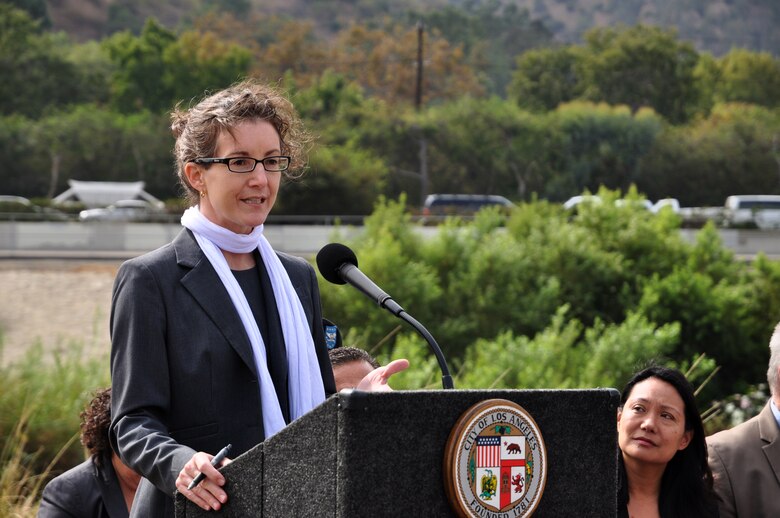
{"x": 641, "y": 66}
{"x": 36, "y": 9}
{"x": 748, "y": 77}
{"x": 707, "y": 74}
{"x": 602, "y": 147}
{"x": 330, "y": 98}
{"x": 24, "y": 162}
{"x": 146, "y": 150}
{"x": 545, "y": 78}
{"x": 36, "y": 73}
{"x": 384, "y": 63}
{"x": 94, "y": 70}
{"x": 487, "y": 147}
{"x": 197, "y": 62}
{"x": 341, "y": 179}
{"x": 345, "y": 175}
{"x": 239, "y": 8}
{"x": 292, "y": 49}
{"x": 139, "y": 78}
{"x": 492, "y": 34}
{"x": 91, "y": 143}
{"x": 729, "y": 152}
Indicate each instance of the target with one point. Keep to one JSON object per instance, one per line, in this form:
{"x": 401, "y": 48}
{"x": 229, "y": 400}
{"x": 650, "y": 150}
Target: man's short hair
{"x": 342, "y": 355}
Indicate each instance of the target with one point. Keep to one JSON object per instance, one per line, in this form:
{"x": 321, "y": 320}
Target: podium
{"x": 363, "y": 454}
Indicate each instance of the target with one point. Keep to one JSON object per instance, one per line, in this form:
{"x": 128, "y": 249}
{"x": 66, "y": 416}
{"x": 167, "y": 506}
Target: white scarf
{"x": 306, "y": 389}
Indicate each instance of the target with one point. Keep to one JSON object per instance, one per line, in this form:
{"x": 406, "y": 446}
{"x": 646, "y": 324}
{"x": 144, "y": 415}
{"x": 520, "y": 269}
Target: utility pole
{"x": 776, "y": 152}
{"x": 418, "y": 108}
{"x": 418, "y": 89}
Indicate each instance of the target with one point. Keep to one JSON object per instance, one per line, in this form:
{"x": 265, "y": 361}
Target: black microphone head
{"x": 331, "y": 257}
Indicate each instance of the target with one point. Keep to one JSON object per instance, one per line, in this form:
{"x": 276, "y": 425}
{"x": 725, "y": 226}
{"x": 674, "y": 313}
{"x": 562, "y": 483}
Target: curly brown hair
{"x": 95, "y": 421}
{"x": 196, "y": 129}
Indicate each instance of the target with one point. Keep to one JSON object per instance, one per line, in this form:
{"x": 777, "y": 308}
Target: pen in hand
{"x": 219, "y": 457}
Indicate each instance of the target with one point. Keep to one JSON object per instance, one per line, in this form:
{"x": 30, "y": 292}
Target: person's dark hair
{"x": 686, "y": 485}
{"x": 342, "y": 355}
{"x": 95, "y": 421}
{"x": 196, "y": 129}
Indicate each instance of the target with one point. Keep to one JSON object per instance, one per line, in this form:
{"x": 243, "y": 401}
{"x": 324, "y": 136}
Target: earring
{"x": 202, "y": 194}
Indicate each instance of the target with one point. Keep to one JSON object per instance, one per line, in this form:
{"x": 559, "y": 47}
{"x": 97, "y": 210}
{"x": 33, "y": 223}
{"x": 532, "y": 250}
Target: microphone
{"x": 338, "y": 264}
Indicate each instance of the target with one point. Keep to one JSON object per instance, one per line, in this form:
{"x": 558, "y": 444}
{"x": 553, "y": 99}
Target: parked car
{"x": 672, "y": 203}
{"x": 20, "y": 208}
{"x": 575, "y": 201}
{"x": 464, "y": 205}
{"x": 123, "y": 210}
{"x": 752, "y": 210}
{"x": 639, "y": 204}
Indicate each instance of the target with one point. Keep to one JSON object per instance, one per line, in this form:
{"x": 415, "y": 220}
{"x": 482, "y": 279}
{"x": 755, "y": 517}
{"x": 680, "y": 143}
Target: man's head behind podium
{"x": 350, "y": 366}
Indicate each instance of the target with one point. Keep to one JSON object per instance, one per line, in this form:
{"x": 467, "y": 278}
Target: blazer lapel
{"x": 206, "y": 287}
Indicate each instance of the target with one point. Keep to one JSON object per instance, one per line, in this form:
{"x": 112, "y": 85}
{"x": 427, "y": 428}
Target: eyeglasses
{"x": 246, "y": 164}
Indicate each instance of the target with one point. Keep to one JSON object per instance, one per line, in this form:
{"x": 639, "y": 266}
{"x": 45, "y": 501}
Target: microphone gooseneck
{"x": 338, "y": 264}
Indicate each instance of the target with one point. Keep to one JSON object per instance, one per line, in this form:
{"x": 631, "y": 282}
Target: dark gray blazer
{"x": 745, "y": 463}
{"x": 84, "y": 491}
{"x": 182, "y": 367}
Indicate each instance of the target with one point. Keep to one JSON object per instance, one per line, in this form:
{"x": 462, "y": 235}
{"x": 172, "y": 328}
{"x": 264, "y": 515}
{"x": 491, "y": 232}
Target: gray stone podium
{"x": 365, "y": 454}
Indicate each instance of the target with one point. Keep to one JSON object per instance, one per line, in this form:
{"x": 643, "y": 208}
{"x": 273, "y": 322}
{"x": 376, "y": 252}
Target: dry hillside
{"x": 712, "y": 25}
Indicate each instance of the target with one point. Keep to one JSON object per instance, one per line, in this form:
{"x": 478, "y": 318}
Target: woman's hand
{"x": 376, "y": 380}
{"x": 209, "y": 493}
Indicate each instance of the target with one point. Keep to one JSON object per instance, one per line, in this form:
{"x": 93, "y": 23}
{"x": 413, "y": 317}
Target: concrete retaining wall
{"x": 62, "y": 239}
{"x": 39, "y": 239}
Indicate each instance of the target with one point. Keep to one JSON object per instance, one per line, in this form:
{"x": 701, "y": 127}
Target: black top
{"x": 256, "y": 285}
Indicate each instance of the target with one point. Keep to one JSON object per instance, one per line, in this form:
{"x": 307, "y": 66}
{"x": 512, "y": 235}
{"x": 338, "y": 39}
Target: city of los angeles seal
{"x": 495, "y": 462}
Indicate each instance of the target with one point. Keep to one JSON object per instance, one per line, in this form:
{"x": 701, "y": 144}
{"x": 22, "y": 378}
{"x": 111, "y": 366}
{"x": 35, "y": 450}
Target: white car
{"x": 672, "y": 203}
{"x": 639, "y": 204}
{"x": 123, "y": 210}
{"x": 759, "y": 210}
{"x": 20, "y": 208}
{"x": 574, "y": 201}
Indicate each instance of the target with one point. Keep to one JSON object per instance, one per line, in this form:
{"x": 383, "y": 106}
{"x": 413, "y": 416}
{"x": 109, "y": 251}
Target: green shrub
{"x": 21, "y": 484}
{"x": 549, "y": 298}
{"x": 566, "y": 355}
{"x": 48, "y": 392}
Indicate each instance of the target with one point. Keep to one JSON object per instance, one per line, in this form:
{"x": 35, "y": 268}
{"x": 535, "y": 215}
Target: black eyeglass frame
{"x": 226, "y": 161}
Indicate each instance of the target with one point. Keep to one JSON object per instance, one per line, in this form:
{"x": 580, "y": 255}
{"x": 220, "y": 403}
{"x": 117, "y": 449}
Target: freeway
{"x": 109, "y": 240}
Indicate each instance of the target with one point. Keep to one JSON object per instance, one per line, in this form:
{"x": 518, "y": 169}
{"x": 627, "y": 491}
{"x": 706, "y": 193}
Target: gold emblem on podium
{"x": 495, "y": 462}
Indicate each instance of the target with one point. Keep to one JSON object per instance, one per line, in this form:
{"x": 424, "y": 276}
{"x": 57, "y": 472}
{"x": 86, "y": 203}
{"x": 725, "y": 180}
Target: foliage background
{"x": 514, "y": 100}
{"x": 537, "y": 101}
{"x": 547, "y": 300}
{"x": 538, "y": 299}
